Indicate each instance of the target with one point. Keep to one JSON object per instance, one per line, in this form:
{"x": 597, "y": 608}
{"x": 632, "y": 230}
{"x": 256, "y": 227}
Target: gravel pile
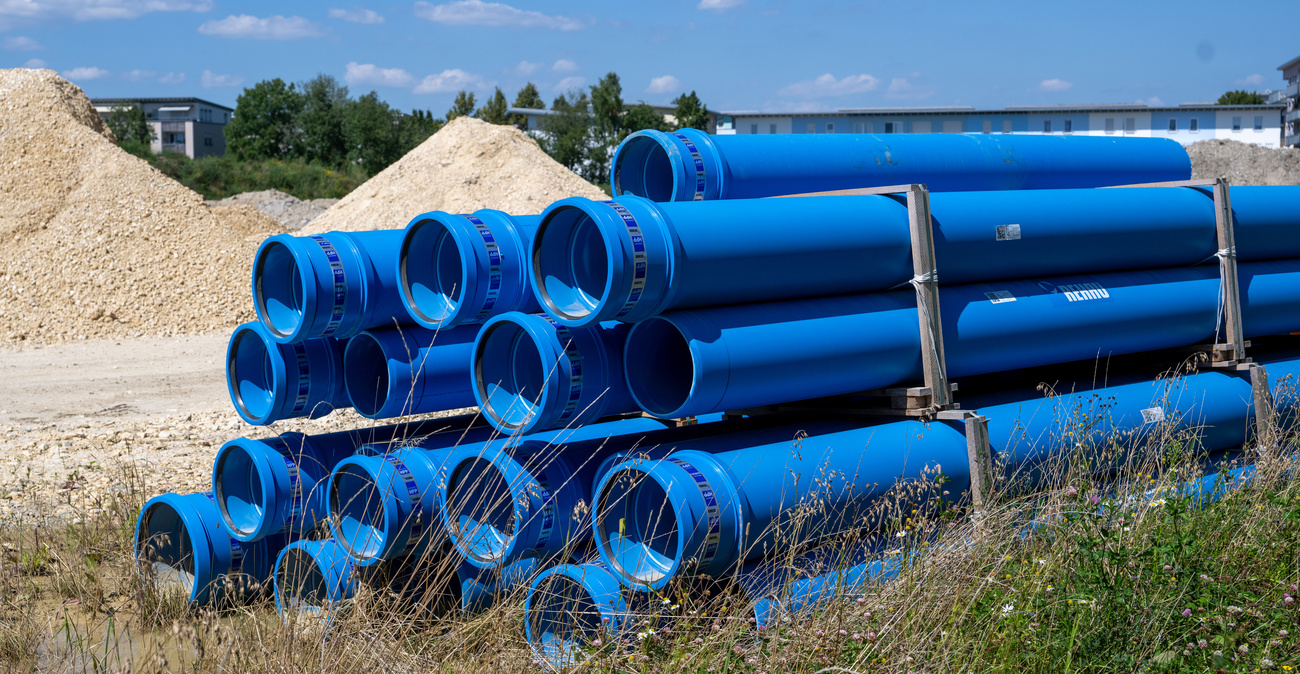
{"x": 469, "y": 164}
{"x": 1244, "y": 164}
{"x": 290, "y": 211}
{"x": 96, "y": 242}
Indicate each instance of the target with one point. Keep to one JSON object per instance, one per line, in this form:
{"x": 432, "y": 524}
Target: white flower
{"x": 1007, "y": 609}
{"x": 901, "y": 534}
{"x": 666, "y": 602}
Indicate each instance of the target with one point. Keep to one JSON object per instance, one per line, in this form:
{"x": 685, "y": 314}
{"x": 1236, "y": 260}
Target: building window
{"x": 1069, "y": 125}
{"x": 859, "y": 127}
{"x": 207, "y": 141}
{"x": 1047, "y": 126}
{"x": 1193, "y": 125}
{"x": 1173, "y": 125}
{"x": 1236, "y": 124}
{"x": 1130, "y": 124}
{"x": 1110, "y": 125}
{"x": 922, "y": 127}
{"x": 1006, "y": 126}
{"x": 988, "y": 126}
{"x": 1259, "y": 123}
{"x": 812, "y": 127}
{"x": 830, "y": 127}
{"x": 771, "y": 128}
{"x": 890, "y": 127}
{"x": 753, "y": 128}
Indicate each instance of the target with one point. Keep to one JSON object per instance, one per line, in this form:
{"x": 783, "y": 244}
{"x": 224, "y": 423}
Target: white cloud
{"x": 357, "y": 15}
{"x": 172, "y": 78}
{"x": 20, "y": 43}
{"x": 1251, "y": 80}
{"x": 369, "y": 74}
{"x": 524, "y": 69}
{"x": 210, "y": 79}
{"x": 479, "y": 13}
{"x": 564, "y": 66}
{"x": 137, "y": 75}
{"x": 89, "y": 10}
{"x": 245, "y": 26}
{"x": 1154, "y": 101}
{"x": 719, "y": 4}
{"x": 827, "y": 85}
{"x": 1055, "y": 84}
{"x": 35, "y": 63}
{"x": 449, "y": 81}
{"x": 84, "y": 73}
{"x": 900, "y": 88}
{"x": 664, "y": 85}
{"x": 568, "y": 83}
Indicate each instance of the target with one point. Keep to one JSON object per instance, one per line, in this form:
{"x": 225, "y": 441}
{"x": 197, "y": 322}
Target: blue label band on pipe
{"x": 494, "y": 269}
{"x": 699, "y": 166}
{"x": 340, "y": 284}
{"x": 548, "y": 515}
{"x": 638, "y": 258}
{"x": 295, "y": 480}
{"x": 714, "y": 539}
{"x": 413, "y": 492}
{"x": 236, "y": 550}
{"x": 304, "y": 376}
{"x": 575, "y": 368}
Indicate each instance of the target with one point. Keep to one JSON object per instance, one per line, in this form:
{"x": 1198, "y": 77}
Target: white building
{"x": 1290, "y": 97}
{"x": 1186, "y": 123}
{"x": 189, "y": 126}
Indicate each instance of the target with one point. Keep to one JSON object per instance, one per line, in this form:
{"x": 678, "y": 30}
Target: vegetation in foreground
{"x": 225, "y": 176}
{"x": 1117, "y": 575}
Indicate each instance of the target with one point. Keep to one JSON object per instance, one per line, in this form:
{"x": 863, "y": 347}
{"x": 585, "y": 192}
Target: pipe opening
{"x": 481, "y": 509}
{"x": 659, "y": 365}
{"x": 365, "y": 374}
{"x": 435, "y": 276}
{"x": 300, "y": 581}
{"x": 164, "y": 544}
{"x": 509, "y": 374}
{"x": 358, "y": 504}
{"x": 279, "y": 289}
{"x": 571, "y": 263}
{"x": 639, "y": 527}
{"x": 563, "y": 617}
{"x": 251, "y": 377}
{"x": 238, "y": 486}
{"x": 644, "y": 169}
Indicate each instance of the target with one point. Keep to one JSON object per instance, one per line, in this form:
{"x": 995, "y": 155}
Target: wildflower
{"x": 901, "y": 534}
{"x": 1041, "y": 561}
{"x": 698, "y": 641}
{"x": 1204, "y": 578}
{"x": 1007, "y": 609}
{"x": 1288, "y": 600}
{"x": 1187, "y": 613}
{"x": 597, "y": 643}
{"x": 1094, "y": 499}
{"x": 666, "y": 602}
{"x": 1157, "y": 503}
{"x": 861, "y": 601}
{"x": 1126, "y": 528}
{"x": 871, "y": 636}
{"x": 737, "y": 649}
{"x": 1071, "y": 492}
{"x": 1266, "y": 663}
{"x": 1282, "y": 633}
{"x": 1218, "y": 654}
{"x": 1050, "y": 588}
{"x": 1243, "y": 649}
{"x": 1168, "y": 568}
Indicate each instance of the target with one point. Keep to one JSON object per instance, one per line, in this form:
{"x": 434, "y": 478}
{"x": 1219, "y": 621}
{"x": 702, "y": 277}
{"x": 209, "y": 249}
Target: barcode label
{"x": 998, "y": 296}
{"x": 1008, "y": 232}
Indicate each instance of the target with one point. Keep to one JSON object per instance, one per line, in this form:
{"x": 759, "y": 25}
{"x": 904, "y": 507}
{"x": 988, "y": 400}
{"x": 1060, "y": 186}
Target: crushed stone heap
{"x": 469, "y": 164}
{"x": 1244, "y": 164}
{"x": 97, "y": 243}
{"x": 290, "y": 211}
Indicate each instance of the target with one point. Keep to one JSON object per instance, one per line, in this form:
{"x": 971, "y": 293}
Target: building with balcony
{"x": 1290, "y": 97}
{"x": 189, "y": 126}
{"x": 1186, "y": 123}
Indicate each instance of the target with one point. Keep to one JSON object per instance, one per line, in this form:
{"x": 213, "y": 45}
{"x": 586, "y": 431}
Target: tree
{"x": 691, "y": 113}
{"x": 566, "y": 133}
{"x": 131, "y": 128}
{"x": 463, "y": 105}
{"x": 606, "y": 125}
{"x": 325, "y": 104}
{"x": 527, "y": 98}
{"x": 416, "y": 128}
{"x": 371, "y": 130}
{"x": 641, "y": 116}
{"x": 264, "y": 124}
{"x": 1241, "y": 97}
{"x": 494, "y": 111}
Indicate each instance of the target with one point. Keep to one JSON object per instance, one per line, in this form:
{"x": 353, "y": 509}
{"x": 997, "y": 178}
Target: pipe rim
{"x": 654, "y": 569}
{"x": 248, "y": 520}
{"x": 197, "y": 573}
{"x": 589, "y": 585}
{"x": 368, "y": 511}
{"x": 541, "y": 365}
{"x": 487, "y": 545}
{"x": 440, "y": 240}
{"x": 259, "y": 395}
{"x": 570, "y": 230}
{"x": 365, "y": 371}
{"x": 660, "y": 367}
{"x": 645, "y": 155}
{"x": 305, "y": 556}
{"x": 290, "y": 293}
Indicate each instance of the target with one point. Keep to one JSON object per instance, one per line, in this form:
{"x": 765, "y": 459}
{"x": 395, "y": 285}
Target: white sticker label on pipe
{"x": 999, "y": 296}
{"x": 1153, "y": 415}
{"x": 1008, "y": 233}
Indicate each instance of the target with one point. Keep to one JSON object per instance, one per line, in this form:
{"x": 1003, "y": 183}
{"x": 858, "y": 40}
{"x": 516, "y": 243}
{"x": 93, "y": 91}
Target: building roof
{"x": 1045, "y": 109}
{"x": 142, "y": 101}
{"x": 1290, "y": 63}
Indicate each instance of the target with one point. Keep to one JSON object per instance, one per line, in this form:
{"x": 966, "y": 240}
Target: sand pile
{"x": 469, "y": 164}
{"x": 1244, "y": 164}
{"x": 288, "y": 210}
{"x": 95, "y": 242}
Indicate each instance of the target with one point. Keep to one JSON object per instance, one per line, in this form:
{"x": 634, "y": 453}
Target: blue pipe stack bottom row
{"x": 620, "y": 353}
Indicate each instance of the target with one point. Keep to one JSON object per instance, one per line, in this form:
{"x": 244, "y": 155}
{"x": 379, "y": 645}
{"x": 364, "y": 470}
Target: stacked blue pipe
{"x": 689, "y": 165}
{"x": 395, "y": 372}
{"x": 269, "y": 381}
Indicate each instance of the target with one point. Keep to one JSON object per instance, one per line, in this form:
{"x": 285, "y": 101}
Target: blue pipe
{"x": 689, "y": 165}
{"x": 269, "y": 381}
{"x": 481, "y": 589}
{"x": 631, "y": 259}
{"x": 464, "y": 269}
{"x": 327, "y": 285}
{"x": 692, "y": 362}
{"x": 707, "y": 509}
{"x": 531, "y": 374}
{"x": 313, "y": 577}
{"x": 568, "y": 607}
{"x": 274, "y": 485}
{"x": 182, "y": 538}
{"x": 533, "y": 500}
{"x": 394, "y": 372}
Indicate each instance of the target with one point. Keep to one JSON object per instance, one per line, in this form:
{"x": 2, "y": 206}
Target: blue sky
{"x": 772, "y": 55}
